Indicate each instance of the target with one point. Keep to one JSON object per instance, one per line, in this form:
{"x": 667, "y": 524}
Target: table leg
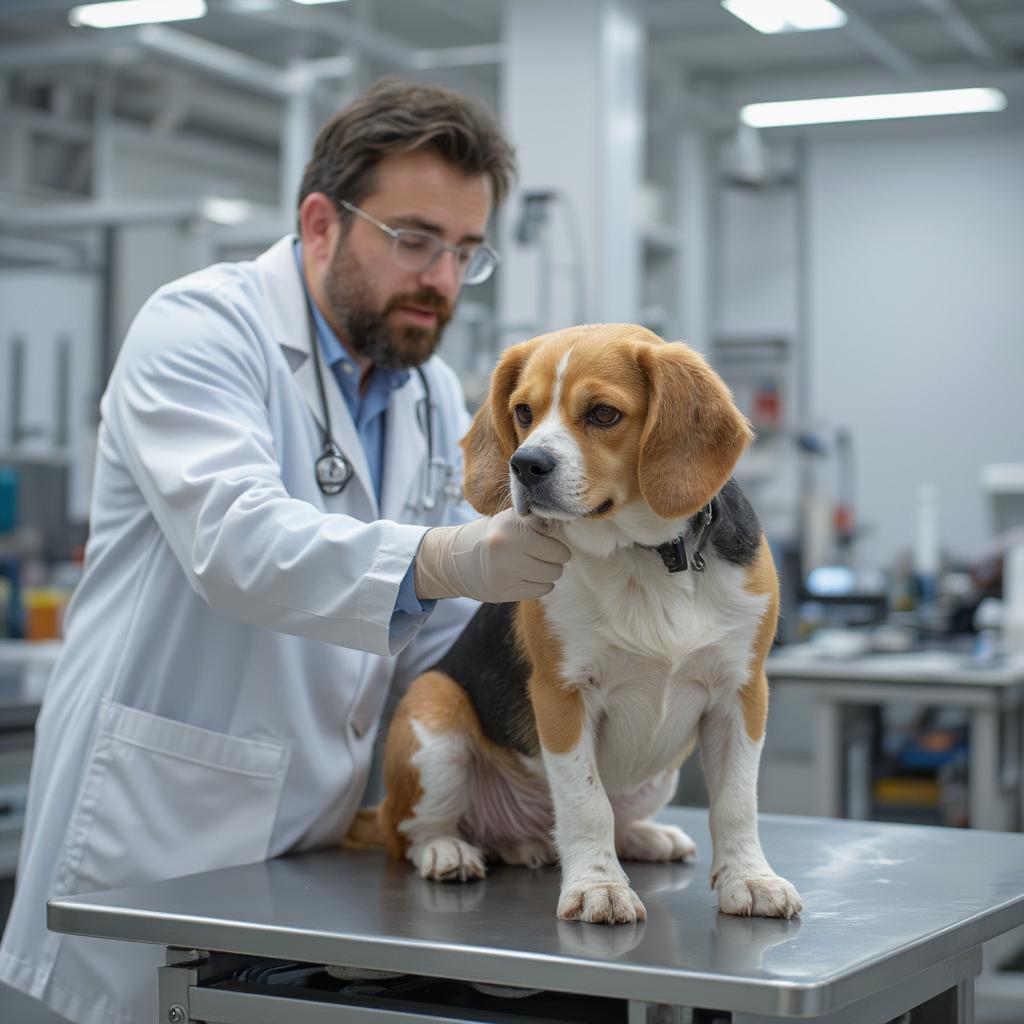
{"x": 965, "y": 1002}
{"x": 987, "y": 803}
{"x": 829, "y": 757}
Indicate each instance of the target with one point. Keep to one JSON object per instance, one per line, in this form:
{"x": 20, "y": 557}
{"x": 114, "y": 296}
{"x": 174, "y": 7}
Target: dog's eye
{"x": 604, "y": 415}
{"x": 524, "y": 415}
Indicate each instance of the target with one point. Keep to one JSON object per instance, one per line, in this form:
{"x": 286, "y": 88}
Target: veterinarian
{"x": 276, "y": 512}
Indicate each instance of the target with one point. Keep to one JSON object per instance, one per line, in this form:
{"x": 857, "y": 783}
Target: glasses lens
{"x": 415, "y": 250}
{"x": 481, "y": 265}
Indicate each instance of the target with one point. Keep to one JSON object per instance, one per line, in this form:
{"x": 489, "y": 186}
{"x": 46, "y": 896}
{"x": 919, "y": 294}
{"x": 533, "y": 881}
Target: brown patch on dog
{"x": 761, "y": 579}
{"x": 558, "y": 710}
{"x": 694, "y": 434}
{"x": 437, "y": 702}
{"x": 365, "y": 832}
{"x": 491, "y": 440}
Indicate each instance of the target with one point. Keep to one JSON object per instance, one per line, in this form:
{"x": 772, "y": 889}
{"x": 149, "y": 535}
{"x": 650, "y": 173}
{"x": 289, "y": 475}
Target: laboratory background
{"x": 826, "y": 200}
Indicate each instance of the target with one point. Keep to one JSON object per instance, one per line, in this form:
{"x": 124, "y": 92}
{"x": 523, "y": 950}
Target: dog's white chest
{"x": 627, "y": 602}
{"x": 650, "y": 651}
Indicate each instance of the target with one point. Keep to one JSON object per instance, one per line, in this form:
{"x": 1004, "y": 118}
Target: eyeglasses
{"x": 419, "y": 250}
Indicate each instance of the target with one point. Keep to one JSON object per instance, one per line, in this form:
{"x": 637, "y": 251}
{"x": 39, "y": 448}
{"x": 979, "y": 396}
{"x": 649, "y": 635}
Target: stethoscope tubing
{"x": 333, "y": 468}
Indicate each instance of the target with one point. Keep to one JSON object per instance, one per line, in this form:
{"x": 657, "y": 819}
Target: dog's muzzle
{"x": 531, "y": 467}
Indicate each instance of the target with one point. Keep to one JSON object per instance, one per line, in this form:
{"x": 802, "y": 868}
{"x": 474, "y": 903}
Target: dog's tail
{"x": 365, "y": 832}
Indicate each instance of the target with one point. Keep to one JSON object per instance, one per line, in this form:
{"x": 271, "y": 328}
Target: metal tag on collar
{"x": 698, "y": 559}
{"x": 673, "y": 554}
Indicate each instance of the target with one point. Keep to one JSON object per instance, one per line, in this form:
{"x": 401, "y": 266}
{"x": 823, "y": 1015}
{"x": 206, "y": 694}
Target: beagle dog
{"x": 555, "y": 728}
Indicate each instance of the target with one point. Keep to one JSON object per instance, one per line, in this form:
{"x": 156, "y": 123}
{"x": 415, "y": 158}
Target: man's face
{"x": 390, "y": 315}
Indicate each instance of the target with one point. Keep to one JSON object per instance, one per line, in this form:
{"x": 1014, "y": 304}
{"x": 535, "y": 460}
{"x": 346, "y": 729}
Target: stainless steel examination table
{"x": 894, "y": 917}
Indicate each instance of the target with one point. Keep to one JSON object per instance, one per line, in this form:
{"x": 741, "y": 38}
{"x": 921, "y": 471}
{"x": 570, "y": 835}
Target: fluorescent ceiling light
{"x": 310, "y": 3}
{"x": 116, "y": 13}
{"x": 873, "y": 108}
{"x": 787, "y": 15}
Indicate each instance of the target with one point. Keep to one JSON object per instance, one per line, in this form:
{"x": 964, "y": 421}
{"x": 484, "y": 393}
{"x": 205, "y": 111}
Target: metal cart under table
{"x": 894, "y": 919}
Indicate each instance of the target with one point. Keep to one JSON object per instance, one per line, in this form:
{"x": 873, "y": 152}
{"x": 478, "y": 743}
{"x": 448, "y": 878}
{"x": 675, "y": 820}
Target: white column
{"x": 573, "y": 105}
{"x": 697, "y": 180}
{"x": 297, "y": 134}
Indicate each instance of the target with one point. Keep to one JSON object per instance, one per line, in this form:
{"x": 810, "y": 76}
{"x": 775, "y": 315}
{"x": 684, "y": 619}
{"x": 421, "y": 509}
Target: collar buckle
{"x": 673, "y": 554}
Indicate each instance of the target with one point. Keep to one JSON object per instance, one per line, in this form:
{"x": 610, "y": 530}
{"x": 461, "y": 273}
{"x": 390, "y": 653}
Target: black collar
{"x": 673, "y": 552}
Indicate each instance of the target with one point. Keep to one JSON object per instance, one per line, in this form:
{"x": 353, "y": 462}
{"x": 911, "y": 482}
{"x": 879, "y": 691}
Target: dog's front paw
{"x": 756, "y": 895}
{"x": 647, "y": 840}
{"x": 600, "y": 901}
{"x": 447, "y": 859}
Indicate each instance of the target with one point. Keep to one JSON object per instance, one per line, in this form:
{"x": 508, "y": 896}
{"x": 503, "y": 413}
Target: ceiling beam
{"x": 221, "y": 61}
{"x": 964, "y": 31}
{"x": 77, "y": 49}
{"x": 879, "y": 46}
{"x": 458, "y": 57}
{"x": 372, "y": 41}
{"x": 332, "y": 25}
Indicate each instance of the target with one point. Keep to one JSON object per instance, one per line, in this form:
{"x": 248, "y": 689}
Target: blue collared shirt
{"x": 369, "y": 414}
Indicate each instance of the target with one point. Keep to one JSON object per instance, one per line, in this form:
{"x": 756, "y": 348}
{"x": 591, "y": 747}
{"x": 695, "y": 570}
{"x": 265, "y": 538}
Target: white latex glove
{"x": 496, "y": 559}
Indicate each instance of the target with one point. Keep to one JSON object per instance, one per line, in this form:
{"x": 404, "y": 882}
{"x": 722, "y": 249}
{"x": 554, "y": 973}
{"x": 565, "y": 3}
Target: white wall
{"x": 917, "y": 323}
{"x": 756, "y": 295}
{"x": 916, "y": 315}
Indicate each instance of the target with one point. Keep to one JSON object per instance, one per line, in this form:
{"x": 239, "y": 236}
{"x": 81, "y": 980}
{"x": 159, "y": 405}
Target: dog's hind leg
{"x": 427, "y": 777}
{"x": 637, "y": 838}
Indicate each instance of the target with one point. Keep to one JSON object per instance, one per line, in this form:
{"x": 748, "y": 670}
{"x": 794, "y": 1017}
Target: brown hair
{"x": 394, "y": 116}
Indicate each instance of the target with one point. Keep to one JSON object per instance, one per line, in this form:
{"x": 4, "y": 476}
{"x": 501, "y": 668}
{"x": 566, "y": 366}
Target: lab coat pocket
{"x": 161, "y": 798}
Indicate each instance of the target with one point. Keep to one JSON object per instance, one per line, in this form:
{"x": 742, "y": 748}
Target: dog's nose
{"x": 531, "y": 465}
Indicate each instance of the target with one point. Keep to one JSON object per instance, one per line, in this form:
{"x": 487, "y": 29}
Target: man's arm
{"x": 188, "y": 410}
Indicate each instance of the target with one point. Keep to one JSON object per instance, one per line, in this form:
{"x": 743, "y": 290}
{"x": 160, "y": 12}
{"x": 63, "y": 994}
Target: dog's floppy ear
{"x": 491, "y": 439}
{"x": 694, "y": 434}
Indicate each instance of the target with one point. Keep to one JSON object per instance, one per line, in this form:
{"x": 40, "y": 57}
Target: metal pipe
{"x": 107, "y": 350}
{"x": 63, "y": 392}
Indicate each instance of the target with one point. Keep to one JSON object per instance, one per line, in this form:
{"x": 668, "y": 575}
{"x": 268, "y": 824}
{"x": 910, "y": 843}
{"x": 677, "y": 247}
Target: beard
{"x": 351, "y": 306}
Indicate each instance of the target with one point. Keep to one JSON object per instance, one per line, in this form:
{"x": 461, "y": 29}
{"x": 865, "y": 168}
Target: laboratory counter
{"x": 25, "y": 668}
{"x": 894, "y": 918}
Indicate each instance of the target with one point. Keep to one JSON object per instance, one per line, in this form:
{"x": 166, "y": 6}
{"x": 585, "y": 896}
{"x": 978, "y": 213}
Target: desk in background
{"x": 992, "y": 695}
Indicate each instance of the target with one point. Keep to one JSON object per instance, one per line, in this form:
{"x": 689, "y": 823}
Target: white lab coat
{"x": 228, "y": 650}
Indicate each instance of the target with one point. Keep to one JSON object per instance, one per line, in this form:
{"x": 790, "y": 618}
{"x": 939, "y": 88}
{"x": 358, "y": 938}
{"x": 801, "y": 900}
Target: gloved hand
{"x": 495, "y": 559}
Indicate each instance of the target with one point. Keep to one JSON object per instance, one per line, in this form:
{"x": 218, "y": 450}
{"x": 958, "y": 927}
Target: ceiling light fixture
{"x": 312, "y": 3}
{"x": 873, "y": 108}
{"x": 117, "y": 13}
{"x": 772, "y": 16}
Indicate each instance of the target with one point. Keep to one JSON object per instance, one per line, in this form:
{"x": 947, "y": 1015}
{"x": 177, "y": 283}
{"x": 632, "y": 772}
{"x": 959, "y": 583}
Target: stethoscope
{"x": 334, "y": 469}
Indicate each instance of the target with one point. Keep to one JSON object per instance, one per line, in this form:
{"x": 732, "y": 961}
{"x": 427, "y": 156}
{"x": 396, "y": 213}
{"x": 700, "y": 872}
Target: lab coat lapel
{"x": 292, "y": 329}
{"x": 405, "y": 453}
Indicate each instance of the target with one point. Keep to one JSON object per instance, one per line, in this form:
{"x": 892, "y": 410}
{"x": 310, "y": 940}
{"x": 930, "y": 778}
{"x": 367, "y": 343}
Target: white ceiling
{"x": 47, "y": 66}
{"x": 697, "y": 33}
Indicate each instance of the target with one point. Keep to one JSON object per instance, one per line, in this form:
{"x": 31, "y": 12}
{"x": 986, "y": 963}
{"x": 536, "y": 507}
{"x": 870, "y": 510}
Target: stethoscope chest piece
{"x": 333, "y": 470}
